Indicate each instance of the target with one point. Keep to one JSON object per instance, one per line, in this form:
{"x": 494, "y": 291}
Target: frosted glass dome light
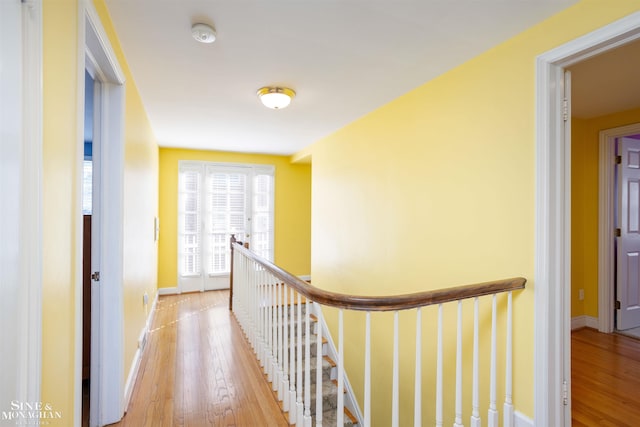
{"x": 276, "y": 97}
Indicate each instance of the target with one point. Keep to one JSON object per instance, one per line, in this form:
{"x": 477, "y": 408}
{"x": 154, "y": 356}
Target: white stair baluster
{"x": 285, "y": 348}
{"x": 307, "y": 365}
{"x": 367, "y": 372}
{"x": 267, "y": 324}
{"x": 395, "y": 395}
{"x": 280, "y": 371}
{"x": 263, "y": 302}
{"x": 256, "y": 313}
{"x": 475, "y": 406}
{"x": 292, "y": 360}
{"x": 508, "y": 404}
{"x": 417, "y": 400}
{"x": 272, "y": 334}
{"x": 318, "y": 366}
{"x": 340, "y": 409}
{"x": 251, "y": 307}
{"x": 439, "y": 417}
{"x": 458, "y": 419}
{"x": 299, "y": 385}
{"x": 260, "y": 323}
{"x": 493, "y": 412}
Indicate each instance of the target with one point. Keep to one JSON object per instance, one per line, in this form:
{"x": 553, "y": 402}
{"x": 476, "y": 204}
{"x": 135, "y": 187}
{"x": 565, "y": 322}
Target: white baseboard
{"x": 131, "y": 380}
{"x": 521, "y": 420}
{"x": 135, "y": 365}
{"x": 584, "y": 321}
{"x": 168, "y": 291}
{"x": 306, "y": 278}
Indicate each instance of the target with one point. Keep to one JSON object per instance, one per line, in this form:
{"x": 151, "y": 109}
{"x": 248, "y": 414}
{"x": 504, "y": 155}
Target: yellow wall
{"x": 292, "y": 209}
{"x": 62, "y": 218}
{"x": 437, "y": 189}
{"x": 140, "y": 204}
{"x": 584, "y": 200}
{"x": 60, "y": 204}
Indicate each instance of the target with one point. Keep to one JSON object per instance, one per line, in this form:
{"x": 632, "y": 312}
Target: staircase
{"x": 329, "y": 381}
{"x": 277, "y": 312}
{"x": 329, "y": 372}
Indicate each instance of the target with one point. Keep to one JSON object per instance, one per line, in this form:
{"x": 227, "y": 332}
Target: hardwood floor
{"x": 198, "y": 370}
{"x": 605, "y": 379}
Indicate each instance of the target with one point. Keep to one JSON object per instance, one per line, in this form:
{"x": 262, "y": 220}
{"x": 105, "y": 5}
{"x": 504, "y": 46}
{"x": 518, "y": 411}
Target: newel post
{"x": 233, "y": 242}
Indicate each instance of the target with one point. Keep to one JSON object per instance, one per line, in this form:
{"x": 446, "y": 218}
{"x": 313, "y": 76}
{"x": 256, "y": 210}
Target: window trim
{"x": 253, "y": 170}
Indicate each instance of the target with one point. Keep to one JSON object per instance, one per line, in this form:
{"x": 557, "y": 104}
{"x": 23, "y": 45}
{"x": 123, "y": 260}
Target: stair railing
{"x": 272, "y": 306}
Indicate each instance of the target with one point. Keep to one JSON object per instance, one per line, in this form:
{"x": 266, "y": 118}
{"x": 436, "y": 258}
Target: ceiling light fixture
{"x": 276, "y": 97}
{"x": 203, "y": 33}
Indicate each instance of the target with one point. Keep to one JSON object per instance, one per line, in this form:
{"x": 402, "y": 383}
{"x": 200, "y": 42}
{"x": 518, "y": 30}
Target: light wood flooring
{"x": 198, "y": 370}
{"x": 605, "y": 379}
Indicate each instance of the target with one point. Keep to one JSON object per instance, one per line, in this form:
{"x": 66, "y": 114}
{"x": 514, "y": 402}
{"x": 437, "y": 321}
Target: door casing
{"x": 21, "y": 277}
{"x": 606, "y": 223}
{"x": 552, "y": 341}
{"x": 107, "y": 323}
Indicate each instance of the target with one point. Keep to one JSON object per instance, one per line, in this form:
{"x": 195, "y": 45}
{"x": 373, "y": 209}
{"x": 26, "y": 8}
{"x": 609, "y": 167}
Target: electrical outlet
{"x": 581, "y": 294}
{"x": 145, "y": 299}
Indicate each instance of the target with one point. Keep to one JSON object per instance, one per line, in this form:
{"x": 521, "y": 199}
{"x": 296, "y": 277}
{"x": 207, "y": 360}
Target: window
{"x": 87, "y": 187}
{"x": 217, "y": 200}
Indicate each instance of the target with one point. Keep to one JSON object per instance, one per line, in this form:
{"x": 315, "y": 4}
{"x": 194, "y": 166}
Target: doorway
{"x": 553, "y": 217}
{"x": 106, "y": 371}
{"x": 628, "y": 235}
{"x": 607, "y": 223}
{"x": 88, "y": 192}
{"x": 215, "y": 201}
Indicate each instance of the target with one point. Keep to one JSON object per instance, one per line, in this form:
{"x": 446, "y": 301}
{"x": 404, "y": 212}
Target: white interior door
{"x": 93, "y": 132}
{"x": 628, "y": 243}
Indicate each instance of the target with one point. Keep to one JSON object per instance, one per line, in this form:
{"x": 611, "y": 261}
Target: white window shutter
{"x": 216, "y": 200}
{"x": 226, "y": 214}
{"x": 263, "y": 212}
{"x": 189, "y": 221}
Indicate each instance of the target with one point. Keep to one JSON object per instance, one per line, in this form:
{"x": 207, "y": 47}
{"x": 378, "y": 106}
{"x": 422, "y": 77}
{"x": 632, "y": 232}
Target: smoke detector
{"x": 203, "y": 33}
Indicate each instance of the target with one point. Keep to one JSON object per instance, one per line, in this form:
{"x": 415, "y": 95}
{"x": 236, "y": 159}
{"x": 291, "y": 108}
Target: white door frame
{"x": 32, "y": 170}
{"x": 21, "y": 170}
{"x": 553, "y": 220}
{"x": 107, "y": 323}
{"x": 607, "y": 223}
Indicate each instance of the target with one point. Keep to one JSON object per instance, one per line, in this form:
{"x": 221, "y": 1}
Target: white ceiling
{"x": 343, "y": 58}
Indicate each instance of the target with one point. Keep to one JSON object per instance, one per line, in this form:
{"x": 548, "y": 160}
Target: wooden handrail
{"x": 381, "y": 303}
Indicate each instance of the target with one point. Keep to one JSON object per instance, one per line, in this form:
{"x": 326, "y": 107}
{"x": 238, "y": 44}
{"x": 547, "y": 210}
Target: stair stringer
{"x": 329, "y": 349}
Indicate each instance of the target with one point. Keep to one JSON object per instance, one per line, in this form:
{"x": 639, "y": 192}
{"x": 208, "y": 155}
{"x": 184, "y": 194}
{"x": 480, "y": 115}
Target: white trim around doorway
{"x": 552, "y": 388}
{"x": 31, "y": 210}
{"x": 107, "y": 331}
{"x": 607, "y": 223}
